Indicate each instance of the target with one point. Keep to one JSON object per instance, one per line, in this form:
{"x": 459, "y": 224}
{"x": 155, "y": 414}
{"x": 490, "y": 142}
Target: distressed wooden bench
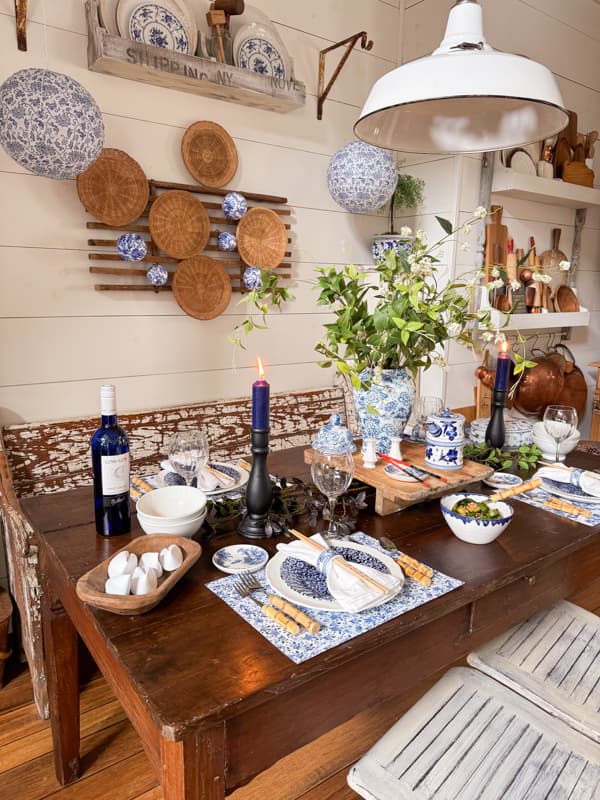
{"x": 54, "y": 456}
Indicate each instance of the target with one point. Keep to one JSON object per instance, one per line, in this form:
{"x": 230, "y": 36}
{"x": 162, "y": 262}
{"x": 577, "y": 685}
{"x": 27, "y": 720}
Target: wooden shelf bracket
{"x": 365, "y": 43}
{"x": 21, "y": 19}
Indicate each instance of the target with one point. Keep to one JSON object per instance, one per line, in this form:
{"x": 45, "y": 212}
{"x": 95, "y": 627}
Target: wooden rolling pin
{"x": 524, "y": 487}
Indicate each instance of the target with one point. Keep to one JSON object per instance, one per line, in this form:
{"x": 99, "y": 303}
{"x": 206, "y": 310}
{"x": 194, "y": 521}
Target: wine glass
{"x": 188, "y": 453}
{"x": 426, "y": 405}
{"x": 560, "y": 422}
{"x": 332, "y": 474}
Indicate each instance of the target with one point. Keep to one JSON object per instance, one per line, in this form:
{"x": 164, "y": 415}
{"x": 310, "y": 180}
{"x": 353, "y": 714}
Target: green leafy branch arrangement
{"x": 268, "y": 295}
{"x": 525, "y": 458}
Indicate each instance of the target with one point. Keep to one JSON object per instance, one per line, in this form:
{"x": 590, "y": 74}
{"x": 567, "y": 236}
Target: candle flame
{"x": 260, "y": 368}
{"x": 504, "y": 346}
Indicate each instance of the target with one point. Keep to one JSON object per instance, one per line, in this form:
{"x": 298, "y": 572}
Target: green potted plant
{"x": 407, "y": 194}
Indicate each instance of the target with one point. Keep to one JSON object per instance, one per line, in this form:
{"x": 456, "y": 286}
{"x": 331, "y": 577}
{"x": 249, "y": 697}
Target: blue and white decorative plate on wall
{"x": 258, "y": 49}
{"x": 49, "y": 123}
{"x": 362, "y": 178}
{"x": 151, "y": 23}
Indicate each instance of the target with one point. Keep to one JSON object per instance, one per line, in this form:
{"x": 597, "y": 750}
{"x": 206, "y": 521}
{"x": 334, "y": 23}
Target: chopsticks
{"x": 523, "y": 487}
{"x": 564, "y": 505}
{"x": 343, "y": 563}
{"x": 418, "y": 473}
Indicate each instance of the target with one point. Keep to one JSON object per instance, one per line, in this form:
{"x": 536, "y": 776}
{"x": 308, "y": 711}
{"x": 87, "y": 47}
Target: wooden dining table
{"x": 213, "y": 701}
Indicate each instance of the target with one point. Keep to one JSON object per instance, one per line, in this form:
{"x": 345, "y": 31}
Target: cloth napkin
{"x": 208, "y": 479}
{"x": 350, "y": 591}
{"x": 589, "y": 482}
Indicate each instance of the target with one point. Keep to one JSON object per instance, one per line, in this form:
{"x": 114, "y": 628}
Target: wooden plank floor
{"x": 114, "y": 766}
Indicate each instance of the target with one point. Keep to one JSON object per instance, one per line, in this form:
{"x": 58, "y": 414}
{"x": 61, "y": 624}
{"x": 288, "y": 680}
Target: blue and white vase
{"x": 361, "y": 178}
{"x": 386, "y": 242}
{"x": 384, "y": 408}
{"x": 131, "y": 247}
{"x": 234, "y": 205}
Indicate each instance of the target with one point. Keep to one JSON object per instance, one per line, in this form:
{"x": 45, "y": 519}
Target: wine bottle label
{"x": 115, "y": 474}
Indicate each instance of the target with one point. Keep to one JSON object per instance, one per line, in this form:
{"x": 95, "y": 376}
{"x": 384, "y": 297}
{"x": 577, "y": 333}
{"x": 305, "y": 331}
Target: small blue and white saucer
{"x": 398, "y": 474}
{"x": 240, "y": 558}
{"x": 502, "y": 480}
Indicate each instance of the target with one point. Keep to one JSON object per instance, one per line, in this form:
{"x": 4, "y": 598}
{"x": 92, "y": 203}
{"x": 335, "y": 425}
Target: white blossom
{"x": 487, "y": 336}
{"x": 564, "y": 265}
{"x": 515, "y": 285}
{"x": 495, "y": 273}
{"x": 439, "y": 360}
{"x": 480, "y": 212}
{"x": 466, "y": 229}
{"x": 542, "y": 277}
{"x": 421, "y": 235}
{"x": 405, "y": 231}
{"x": 496, "y": 284}
{"x": 453, "y": 329}
{"x": 465, "y": 247}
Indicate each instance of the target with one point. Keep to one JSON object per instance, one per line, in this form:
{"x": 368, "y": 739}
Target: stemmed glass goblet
{"x": 426, "y": 405}
{"x": 332, "y": 474}
{"x": 188, "y": 453}
{"x": 559, "y": 423}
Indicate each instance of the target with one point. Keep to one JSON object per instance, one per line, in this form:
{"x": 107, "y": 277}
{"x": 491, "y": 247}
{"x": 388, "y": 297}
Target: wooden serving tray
{"x": 392, "y": 495}
{"x": 90, "y": 587}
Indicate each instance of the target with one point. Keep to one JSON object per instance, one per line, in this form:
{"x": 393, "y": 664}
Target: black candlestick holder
{"x": 259, "y": 490}
{"x": 495, "y": 433}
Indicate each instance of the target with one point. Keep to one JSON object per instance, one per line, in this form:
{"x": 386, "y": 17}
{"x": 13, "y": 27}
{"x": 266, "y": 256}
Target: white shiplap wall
{"x": 59, "y": 338}
{"x": 566, "y": 38}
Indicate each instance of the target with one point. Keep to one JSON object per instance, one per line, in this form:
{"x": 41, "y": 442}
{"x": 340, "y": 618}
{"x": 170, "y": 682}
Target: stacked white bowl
{"x": 176, "y": 510}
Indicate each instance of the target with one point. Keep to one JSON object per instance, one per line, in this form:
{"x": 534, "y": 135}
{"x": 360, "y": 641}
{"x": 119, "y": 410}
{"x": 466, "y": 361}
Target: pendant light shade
{"x": 464, "y": 98}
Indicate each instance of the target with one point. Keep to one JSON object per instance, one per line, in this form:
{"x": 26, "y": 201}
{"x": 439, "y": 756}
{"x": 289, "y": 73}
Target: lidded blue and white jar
{"x": 334, "y": 437}
{"x": 445, "y": 440}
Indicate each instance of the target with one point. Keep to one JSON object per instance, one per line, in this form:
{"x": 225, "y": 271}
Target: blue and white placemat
{"x": 537, "y": 497}
{"x": 336, "y": 626}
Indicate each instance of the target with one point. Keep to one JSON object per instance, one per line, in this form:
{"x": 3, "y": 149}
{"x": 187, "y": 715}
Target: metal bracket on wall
{"x": 365, "y": 43}
{"x": 21, "y": 20}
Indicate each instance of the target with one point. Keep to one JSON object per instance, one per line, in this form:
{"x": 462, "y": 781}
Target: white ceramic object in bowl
{"x": 172, "y": 503}
{"x": 547, "y": 444}
{"x": 186, "y": 528}
{"x": 471, "y": 529}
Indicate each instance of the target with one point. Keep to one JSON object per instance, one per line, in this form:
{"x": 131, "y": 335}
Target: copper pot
{"x": 540, "y": 386}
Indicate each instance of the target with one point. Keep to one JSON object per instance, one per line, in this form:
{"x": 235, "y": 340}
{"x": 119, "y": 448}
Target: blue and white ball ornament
{"x": 157, "y": 275}
{"x": 131, "y": 247}
{"x": 252, "y": 278}
{"x": 49, "y": 123}
{"x": 362, "y": 178}
{"x": 227, "y": 242}
{"x": 234, "y": 205}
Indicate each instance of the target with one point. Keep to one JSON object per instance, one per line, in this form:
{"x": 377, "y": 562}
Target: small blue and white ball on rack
{"x": 234, "y": 205}
{"x": 252, "y": 278}
{"x": 227, "y": 242}
{"x": 131, "y": 247}
{"x": 157, "y": 275}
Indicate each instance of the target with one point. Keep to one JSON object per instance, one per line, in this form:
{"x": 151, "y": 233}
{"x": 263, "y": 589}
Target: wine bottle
{"x": 110, "y": 465}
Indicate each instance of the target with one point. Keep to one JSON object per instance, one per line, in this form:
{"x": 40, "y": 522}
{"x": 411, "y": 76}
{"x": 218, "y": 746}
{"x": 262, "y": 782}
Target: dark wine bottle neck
{"x": 109, "y": 420}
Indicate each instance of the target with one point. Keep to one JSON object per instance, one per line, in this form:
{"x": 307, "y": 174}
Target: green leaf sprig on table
{"x": 525, "y": 459}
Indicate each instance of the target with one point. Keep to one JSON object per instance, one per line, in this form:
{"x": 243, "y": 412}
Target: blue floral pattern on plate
{"x": 361, "y": 178}
{"x": 568, "y": 491}
{"x": 234, "y": 205}
{"x": 49, "y": 123}
{"x": 261, "y": 56}
{"x": 336, "y": 627}
{"x": 131, "y": 247}
{"x": 151, "y": 23}
{"x": 240, "y": 558}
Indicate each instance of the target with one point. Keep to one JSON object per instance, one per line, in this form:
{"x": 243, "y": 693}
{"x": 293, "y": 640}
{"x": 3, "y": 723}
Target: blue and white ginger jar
{"x": 334, "y": 437}
{"x": 131, "y": 247}
{"x": 234, "y": 205}
{"x": 252, "y": 278}
{"x": 362, "y": 178}
{"x": 227, "y": 242}
{"x": 157, "y": 274}
{"x": 49, "y": 123}
{"x": 384, "y": 408}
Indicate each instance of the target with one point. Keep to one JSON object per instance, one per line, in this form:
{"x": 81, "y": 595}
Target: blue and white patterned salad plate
{"x": 154, "y": 24}
{"x": 568, "y": 491}
{"x": 303, "y": 584}
{"x": 240, "y": 558}
{"x": 259, "y": 49}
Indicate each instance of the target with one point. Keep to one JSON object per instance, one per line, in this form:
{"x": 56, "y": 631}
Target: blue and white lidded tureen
{"x": 445, "y": 427}
{"x": 131, "y": 247}
{"x": 334, "y": 437}
{"x": 234, "y": 205}
{"x": 517, "y": 431}
{"x": 226, "y": 242}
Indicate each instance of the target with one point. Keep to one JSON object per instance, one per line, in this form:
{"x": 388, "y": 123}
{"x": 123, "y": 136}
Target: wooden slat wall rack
{"x": 211, "y": 201}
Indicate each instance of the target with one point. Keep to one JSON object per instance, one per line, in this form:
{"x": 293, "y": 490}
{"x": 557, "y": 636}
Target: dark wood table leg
{"x": 62, "y": 668}
{"x": 194, "y": 767}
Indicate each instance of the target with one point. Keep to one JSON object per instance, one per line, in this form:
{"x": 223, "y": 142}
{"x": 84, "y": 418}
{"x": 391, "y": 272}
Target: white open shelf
{"x": 543, "y": 190}
{"x": 558, "y": 319}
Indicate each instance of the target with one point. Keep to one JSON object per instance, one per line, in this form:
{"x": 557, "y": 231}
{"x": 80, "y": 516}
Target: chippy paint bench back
{"x": 44, "y": 457}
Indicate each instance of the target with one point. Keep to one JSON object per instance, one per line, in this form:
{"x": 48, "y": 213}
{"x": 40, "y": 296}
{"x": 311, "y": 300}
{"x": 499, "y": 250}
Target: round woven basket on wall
{"x": 261, "y": 238}
{"x": 202, "y": 287}
{"x": 209, "y": 154}
{"x": 179, "y": 224}
{"x": 114, "y": 189}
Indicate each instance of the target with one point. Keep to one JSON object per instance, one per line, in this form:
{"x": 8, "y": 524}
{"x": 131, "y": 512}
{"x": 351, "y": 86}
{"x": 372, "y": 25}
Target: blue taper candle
{"x": 503, "y": 369}
{"x": 260, "y": 401}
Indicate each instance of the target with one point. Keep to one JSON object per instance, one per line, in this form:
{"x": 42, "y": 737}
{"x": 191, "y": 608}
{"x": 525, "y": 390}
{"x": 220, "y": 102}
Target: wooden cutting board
{"x": 496, "y": 240}
{"x": 392, "y": 495}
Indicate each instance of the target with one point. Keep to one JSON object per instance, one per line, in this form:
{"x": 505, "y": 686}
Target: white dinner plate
{"x": 259, "y": 49}
{"x": 178, "y": 8}
{"x": 568, "y": 492}
{"x": 240, "y": 482}
{"x": 108, "y": 16}
{"x": 302, "y": 584}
